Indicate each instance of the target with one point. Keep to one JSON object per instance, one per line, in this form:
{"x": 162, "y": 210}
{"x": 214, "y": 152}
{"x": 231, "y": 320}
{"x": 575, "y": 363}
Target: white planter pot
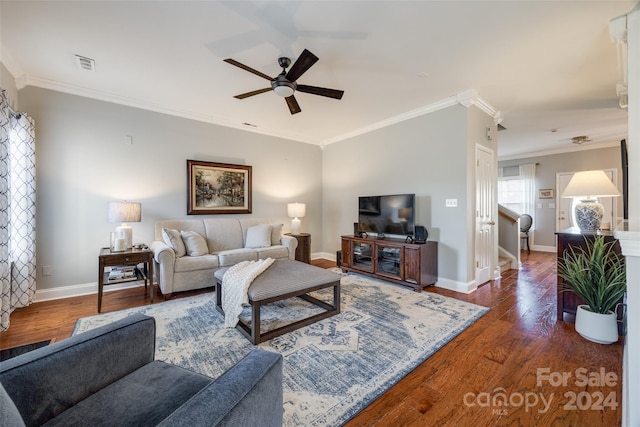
{"x": 596, "y": 327}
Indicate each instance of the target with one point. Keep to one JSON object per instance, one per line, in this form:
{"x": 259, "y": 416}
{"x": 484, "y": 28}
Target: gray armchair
{"x": 108, "y": 376}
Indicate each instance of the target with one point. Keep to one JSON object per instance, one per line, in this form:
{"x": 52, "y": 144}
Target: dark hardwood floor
{"x": 515, "y": 366}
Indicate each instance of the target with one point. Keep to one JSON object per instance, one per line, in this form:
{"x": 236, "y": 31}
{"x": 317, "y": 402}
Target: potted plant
{"x": 598, "y": 275}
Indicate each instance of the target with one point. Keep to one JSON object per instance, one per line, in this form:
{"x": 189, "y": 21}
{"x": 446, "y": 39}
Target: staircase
{"x": 504, "y": 263}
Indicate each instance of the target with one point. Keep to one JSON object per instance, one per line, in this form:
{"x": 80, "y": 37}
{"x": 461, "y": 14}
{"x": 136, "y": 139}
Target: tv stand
{"x": 410, "y": 264}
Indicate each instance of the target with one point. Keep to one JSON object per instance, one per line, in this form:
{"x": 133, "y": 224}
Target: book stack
{"x": 122, "y": 273}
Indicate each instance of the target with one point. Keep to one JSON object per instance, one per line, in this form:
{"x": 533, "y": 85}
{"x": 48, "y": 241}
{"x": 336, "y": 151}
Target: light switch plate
{"x": 451, "y": 203}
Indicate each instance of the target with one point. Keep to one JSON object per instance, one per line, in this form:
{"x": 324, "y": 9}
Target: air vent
{"x": 85, "y": 63}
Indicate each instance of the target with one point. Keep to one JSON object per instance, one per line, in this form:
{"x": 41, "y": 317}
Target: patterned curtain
{"x": 17, "y": 211}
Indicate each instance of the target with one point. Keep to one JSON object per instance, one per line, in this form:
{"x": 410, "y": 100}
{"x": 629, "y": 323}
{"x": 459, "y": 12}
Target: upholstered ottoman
{"x": 284, "y": 279}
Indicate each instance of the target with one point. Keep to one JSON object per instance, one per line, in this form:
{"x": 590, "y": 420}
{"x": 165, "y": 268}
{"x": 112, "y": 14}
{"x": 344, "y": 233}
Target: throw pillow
{"x": 276, "y": 233}
{"x": 195, "y": 243}
{"x": 258, "y": 236}
{"x": 174, "y": 241}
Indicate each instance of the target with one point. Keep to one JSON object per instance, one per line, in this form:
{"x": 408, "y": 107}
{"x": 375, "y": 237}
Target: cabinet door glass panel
{"x": 362, "y": 256}
{"x": 389, "y": 260}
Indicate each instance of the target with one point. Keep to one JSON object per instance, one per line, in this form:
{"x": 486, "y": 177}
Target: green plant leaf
{"x": 596, "y": 273}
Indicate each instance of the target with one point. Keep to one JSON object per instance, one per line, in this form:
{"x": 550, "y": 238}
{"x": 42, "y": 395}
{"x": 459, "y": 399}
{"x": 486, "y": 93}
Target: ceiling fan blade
{"x": 303, "y": 63}
{"x": 293, "y": 104}
{"x": 253, "y": 92}
{"x": 247, "y": 68}
{"x": 322, "y": 91}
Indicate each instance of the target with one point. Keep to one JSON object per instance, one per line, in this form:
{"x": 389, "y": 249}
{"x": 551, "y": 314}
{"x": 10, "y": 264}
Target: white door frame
{"x": 613, "y": 174}
{"x": 485, "y": 217}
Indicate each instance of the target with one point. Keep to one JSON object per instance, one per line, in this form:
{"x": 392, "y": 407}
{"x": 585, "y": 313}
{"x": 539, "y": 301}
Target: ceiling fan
{"x": 285, "y": 83}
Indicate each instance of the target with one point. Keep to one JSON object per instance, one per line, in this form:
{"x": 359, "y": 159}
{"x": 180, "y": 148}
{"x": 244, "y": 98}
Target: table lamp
{"x": 124, "y": 212}
{"x": 296, "y": 211}
{"x": 588, "y": 186}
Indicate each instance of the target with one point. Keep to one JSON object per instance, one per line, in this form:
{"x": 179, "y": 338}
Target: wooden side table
{"x": 129, "y": 257}
{"x": 303, "y": 251}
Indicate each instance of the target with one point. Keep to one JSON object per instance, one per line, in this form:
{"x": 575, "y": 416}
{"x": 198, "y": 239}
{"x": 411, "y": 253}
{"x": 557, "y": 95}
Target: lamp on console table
{"x": 588, "y": 186}
{"x": 296, "y": 211}
{"x": 124, "y": 212}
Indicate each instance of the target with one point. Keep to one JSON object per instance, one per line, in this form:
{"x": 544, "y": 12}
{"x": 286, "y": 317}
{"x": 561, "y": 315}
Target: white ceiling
{"x": 543, "y": 64}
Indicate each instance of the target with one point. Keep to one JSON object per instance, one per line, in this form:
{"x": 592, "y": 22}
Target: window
{"x": 510, "y": 194}
{"x": 516, "y": 188}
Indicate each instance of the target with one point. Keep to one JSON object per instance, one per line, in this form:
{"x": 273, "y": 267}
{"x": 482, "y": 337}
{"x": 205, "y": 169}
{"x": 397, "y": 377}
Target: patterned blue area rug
{"x": 332, "y": 369}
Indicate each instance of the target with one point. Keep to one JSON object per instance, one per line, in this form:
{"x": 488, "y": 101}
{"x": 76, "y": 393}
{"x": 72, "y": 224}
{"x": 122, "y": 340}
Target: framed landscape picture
{"x": 218, "y": 188}
{"x": 545, "y": 194}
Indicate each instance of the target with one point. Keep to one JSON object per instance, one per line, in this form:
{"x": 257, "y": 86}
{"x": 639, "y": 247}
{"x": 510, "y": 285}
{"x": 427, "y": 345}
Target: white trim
{"x": 29, "y": 80}
{"x": 439, "y": 105}
{"x": 470, "y": 97}
{"x": 80, "y": 290}
{"x": 466, "y": 98}
{"x": 324, "y": 255}
{"x": 10, "y": 62}
{"x": 513, "y": 261}
{"x": 572, "y": 149}
{"x": 452, "y": 285}
{"x": 541, "y": 248}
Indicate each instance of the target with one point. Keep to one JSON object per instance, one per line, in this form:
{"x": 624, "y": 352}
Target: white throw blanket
{"x": 235, "y": 285}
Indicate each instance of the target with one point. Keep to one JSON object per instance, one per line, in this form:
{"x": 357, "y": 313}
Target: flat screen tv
{"x": 387, "y": 215}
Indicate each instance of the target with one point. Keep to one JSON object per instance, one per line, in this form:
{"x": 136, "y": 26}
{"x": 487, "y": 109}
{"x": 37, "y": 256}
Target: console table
{"x": 409, "y": 264}
{"x": 568, "y": 302}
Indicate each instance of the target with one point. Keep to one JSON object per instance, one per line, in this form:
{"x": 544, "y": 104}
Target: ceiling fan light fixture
{"x": 579, "y": 140}
{"x": 283, "y": 88}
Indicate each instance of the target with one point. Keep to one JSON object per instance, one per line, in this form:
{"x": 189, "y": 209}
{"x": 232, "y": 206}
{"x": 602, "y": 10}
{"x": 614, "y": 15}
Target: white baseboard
{"x": 541, "y": 248}
{"x": 324, "y": 255}
{"x": 452, "y": 285}
{"x": 79, "y": 290}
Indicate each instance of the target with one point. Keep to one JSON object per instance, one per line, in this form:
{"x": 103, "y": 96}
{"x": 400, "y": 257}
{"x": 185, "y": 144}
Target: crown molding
{"x": 28, "y": 80}
{"x": 618, "y": 28}
{"x": 442, "y": 104}
{"x": 466, "y": 99}
{"x": 470, "y": 97}
{"x": 10, "y": 62}
{"x": 560, "y": 151}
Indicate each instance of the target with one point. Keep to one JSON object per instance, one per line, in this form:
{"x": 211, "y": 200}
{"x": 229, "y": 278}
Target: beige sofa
{"x": 225, "y": 239}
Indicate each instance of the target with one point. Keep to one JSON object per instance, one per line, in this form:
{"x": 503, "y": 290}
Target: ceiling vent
{"x": 85, "y": 63}
{"x": 579, "y": 140}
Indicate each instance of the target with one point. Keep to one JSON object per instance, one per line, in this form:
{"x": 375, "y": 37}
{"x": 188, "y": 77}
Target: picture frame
{"x": 546, "y": 193}
{"x": 218, "y": 188}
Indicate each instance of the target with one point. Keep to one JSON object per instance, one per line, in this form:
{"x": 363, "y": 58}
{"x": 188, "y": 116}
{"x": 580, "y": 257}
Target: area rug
{"x": 9, "y": 353}
{"x": 333, "y": 368}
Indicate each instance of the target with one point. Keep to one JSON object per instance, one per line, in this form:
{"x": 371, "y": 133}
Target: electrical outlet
{"x": 46, "y": 270}
{"x": 451, "y": 203}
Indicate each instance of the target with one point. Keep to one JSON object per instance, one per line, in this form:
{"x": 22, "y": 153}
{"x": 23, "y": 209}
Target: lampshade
{"x": 296, "y": 210}
{"x": 124, "y": 212}
{"x": 590, "y": 184}
{"x": 587, "y": 186}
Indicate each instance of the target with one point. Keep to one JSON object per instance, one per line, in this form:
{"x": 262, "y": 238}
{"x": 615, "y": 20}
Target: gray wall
{"x": 8, "y": 83}
{"x": 83, "y": 163}
{"x": 545, "y": 218}
{"x": 428, "y": 156}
